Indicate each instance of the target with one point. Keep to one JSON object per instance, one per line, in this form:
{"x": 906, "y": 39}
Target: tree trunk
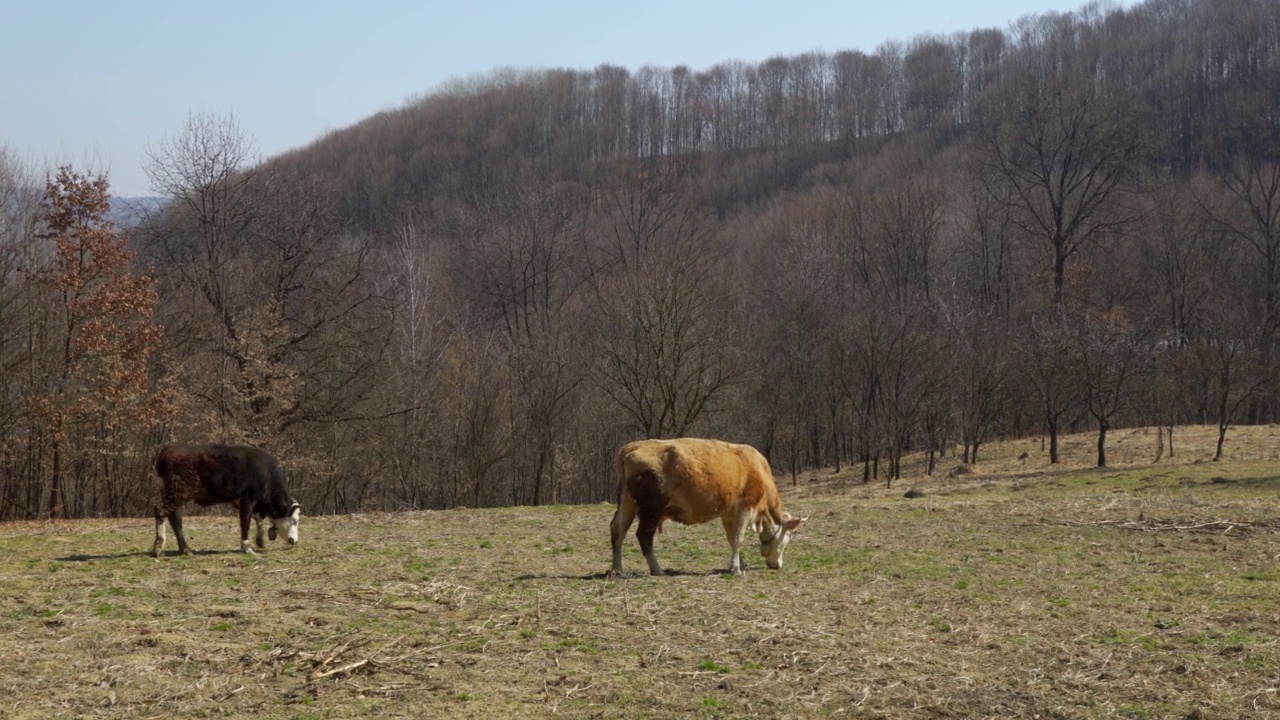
{"x": 1059, "y": 273}
{"x": 1053, "y": 442}
{"x": 1103, "y": 427}
{"x": 55, "y": 487}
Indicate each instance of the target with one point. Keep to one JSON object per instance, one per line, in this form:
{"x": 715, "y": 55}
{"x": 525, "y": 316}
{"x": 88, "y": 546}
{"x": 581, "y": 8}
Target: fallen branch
{"x": 338, "y": 670}
{"x": 1222, "y": 527}
{"x": 319, "y": 673}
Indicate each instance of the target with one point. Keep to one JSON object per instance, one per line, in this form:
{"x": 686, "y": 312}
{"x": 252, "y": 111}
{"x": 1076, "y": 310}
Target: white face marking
{"x": 288, "y": 526}
{"x": 774, "y": 541}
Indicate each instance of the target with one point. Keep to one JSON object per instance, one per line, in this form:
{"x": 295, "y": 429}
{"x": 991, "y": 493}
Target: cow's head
{"x": 287, "y": 525}
{"x": 773, "y": 540}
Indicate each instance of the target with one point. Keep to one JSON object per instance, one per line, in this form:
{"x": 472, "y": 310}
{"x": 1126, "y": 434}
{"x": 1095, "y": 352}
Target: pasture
{"x": 1144, "y": 590}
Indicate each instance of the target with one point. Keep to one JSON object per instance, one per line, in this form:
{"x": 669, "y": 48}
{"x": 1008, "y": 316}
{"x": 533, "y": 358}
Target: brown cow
{"x": 246, "y": 477}
{"x": 691, "y": 481}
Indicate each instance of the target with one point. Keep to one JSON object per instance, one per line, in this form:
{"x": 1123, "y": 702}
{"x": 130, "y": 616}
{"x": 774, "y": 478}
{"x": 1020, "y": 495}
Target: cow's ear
{"x": 295, "y": 508}
{"x": 793, "y": 523}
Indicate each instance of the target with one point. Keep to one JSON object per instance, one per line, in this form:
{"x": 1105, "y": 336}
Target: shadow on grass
{"x": 639, "y": 574}
{"x": 141, "y": 553}
{"x": 1270, "y": 482}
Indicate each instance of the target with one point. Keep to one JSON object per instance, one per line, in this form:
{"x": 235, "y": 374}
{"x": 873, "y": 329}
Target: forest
{"x": 1070, "y": 224}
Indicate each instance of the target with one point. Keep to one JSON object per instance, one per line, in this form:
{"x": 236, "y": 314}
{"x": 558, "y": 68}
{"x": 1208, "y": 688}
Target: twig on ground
{"x": 1224, "y": 527}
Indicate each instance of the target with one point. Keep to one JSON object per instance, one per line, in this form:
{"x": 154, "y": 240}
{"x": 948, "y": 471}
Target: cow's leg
{"x": 261, "y": 540}
{"x": 735, "y": 526}
{"x": 158, "y": 547}
{"x": 645, "y": 489}
{"x": 175, "y": 519}
{"x": 246, "y": 516}
{"x": 644, "y": 533}
{"x": 622, "y": 520}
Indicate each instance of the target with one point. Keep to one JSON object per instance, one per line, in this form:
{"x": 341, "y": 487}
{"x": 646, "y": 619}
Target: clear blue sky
{"x": 94, "y": 83}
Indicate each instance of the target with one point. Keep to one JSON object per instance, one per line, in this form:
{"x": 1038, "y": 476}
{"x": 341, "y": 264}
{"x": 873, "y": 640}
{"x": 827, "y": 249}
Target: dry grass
{"x": 1018, "y": 590}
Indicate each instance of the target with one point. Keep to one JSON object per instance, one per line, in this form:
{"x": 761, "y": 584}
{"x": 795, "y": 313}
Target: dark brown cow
{"x": 246, "y": 477}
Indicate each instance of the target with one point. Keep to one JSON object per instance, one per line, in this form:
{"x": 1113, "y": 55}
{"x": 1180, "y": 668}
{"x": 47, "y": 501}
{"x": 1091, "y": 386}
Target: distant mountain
{"x": 129, "y": 211}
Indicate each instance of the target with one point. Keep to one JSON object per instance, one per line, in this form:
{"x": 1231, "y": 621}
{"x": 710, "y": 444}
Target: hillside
{"x": 1019, "y": 592}
{"x": 1196, "y": 77}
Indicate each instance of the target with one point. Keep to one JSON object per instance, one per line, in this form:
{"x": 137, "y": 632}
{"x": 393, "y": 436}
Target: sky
{"x": 97, "y": 84}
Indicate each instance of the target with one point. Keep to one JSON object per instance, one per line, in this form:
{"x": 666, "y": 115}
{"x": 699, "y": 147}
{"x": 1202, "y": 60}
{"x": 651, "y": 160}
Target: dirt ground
{"x": 1013, "y": 589}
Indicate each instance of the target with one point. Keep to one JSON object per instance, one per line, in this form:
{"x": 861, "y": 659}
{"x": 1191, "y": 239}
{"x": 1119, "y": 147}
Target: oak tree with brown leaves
{"x": 100, "y": 382}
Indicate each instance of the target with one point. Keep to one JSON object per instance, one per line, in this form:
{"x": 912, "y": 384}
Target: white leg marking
{"x": 735, "y": 528}
{"x": 159, "y": 544}
{"x": 654, "y": 567}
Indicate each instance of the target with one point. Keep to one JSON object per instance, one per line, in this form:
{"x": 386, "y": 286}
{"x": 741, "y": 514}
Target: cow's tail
{"x": 162, "y": 460}
{"x": 622, "y": 477}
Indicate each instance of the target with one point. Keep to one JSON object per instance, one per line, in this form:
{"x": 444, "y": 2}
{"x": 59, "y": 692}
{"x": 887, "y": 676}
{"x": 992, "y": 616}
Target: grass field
{"x": 1009, "y": 590}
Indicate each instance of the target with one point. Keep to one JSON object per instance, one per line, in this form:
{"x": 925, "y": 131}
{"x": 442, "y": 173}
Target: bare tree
{"x": 1229, "y": 354}
{"x": 1187, "y": 255}
{"x": 665, "y": 344}
{"x": 1112, "y": 355}
{"x": 520, "y": 255}
{"x": 983, "y": 369}
{"x": 1250, "y": 213}
{"x": 1048, "y": 353}
{"x": 792, "y": 282}
{"x": 278, "y": 326}
{"x": 23, "y": 317}
{"x": 1065, "y": 153}
{"x": 200, "y": 241}
{"x": 414, "y": 277}
{"x": 663, "y": 325}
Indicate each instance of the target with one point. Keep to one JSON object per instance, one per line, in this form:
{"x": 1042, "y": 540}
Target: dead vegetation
{"x": 1020, "y": 591}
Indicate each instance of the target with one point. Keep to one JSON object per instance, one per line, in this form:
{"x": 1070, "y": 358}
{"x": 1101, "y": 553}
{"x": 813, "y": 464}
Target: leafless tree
{"x": 277, "y": 323}
{"x": 24, "y": 320}
{"x": 1049, "y": 357}
{"x": 663, "y": 324}
{"x": 1250, "y": 213}
{"x": 521, "y": 257}
{"x": 1065, "y": 153}
{"x": 983, "y": 368}
{"x": 1112, "y": 356}
{"x": 665, "y": 344}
